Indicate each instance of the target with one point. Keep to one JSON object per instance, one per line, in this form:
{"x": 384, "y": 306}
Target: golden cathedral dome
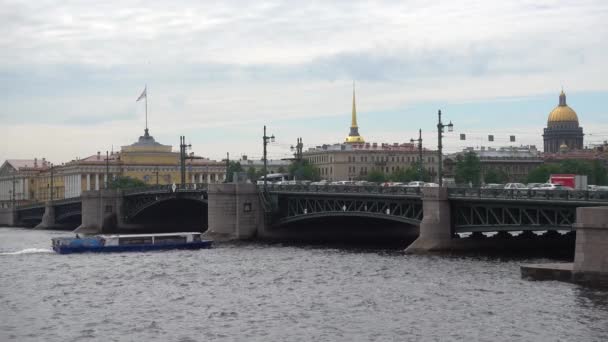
{"x": 562, "y": 112}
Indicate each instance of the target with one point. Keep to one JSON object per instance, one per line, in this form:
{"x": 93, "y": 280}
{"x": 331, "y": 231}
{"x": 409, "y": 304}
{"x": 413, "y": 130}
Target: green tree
{"x": 409, "y": 174}
{"x": 577, "y": 167}
{"x": 233, "y": 166}
{"x": 542, "y": 173}
{"x": 376, "y": 176}
{"x": 125, "y": 182}
{"x": 304, "y": 170}
{"x": 400, "y": 175}
{"x": 468, "y": 169}
{"x": 252, "y": 174}
{"x": 495, "y": 176}
{"x": 600, "y": 175}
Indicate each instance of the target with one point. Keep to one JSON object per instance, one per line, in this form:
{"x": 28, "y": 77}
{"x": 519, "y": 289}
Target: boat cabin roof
{"x": 114, "y": 236}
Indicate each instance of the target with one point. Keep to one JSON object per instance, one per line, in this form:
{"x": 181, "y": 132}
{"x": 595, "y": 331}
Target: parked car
{"x": 493, "y": 186}
{"x": 321, "y": 182}
{"x": 515, "y": 186}
{"x": 415, "y": 184}
{"x": 431, "y": 185}
{"x": 533, "y": 185}
{"x": 363, "y": 183}
{"x": 342, "y": 183}
{"x": 550, "y": 186}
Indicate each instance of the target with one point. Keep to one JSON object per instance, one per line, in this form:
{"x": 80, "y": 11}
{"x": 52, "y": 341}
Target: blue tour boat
{"x": 129, "y": 243}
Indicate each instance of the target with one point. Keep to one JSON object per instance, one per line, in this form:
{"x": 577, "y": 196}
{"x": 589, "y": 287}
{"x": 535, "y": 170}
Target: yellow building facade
{"x": 29, "y": 181}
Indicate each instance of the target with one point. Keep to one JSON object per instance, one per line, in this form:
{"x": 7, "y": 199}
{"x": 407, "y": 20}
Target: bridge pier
{"x": 591, "y": 251}
{"x": 590, "y": 266}
{"x": 235, "y": 211}
{"x": 436, "y": 226}
{"x": 48, "y": 218}
{"x": 101, "y": 211}
{"x": 8, "y": 217}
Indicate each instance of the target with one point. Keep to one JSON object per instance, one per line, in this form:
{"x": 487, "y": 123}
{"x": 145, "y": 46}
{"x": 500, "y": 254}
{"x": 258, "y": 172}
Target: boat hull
{"x": 132, "y": 248}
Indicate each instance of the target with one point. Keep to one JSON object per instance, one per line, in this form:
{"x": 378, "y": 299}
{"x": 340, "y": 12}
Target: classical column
{"x": 88, "y": 181}
{"x": 79, "y": 184}
{"x": 208, "y": 178}
{"x": 25, "y": 189}
{"x": 105, "y": 179}
{"x": 97, "y": 181}
{"x": 193, "y": 180}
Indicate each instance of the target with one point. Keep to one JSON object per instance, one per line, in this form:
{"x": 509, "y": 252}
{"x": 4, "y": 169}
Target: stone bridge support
{"x": 8, "y": 217}
{"x": 591, "y": 251}
{"x": 101, "y": 211}
{"x": 235, "y": 211}
{"x": 48, "y": 219}
{"x": 436, "y": 226}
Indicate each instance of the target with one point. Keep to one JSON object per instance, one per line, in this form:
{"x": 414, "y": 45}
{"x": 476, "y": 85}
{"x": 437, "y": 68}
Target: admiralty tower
{"x": 563, "y": 132}
{"x": 354, "y": 137}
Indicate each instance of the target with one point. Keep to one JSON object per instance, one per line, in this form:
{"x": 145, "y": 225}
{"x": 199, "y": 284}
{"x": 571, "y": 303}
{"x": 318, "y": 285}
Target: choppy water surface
{"x": 256, "y": 292}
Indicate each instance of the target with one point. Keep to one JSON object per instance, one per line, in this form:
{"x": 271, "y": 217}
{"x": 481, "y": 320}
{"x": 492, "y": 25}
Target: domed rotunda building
{"x": 563, "y": 131}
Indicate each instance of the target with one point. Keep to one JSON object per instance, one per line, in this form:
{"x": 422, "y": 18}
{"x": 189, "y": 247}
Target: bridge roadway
{"x": 471, "y": 209}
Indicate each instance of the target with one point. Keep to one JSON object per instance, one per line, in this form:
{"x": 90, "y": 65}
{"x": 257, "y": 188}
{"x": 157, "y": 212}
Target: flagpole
{"x": 146, "y": 88}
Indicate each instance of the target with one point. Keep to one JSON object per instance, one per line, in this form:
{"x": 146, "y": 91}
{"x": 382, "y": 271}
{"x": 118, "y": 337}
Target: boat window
{"x": 196, "y": 237}
{"x": 169, "y": 239}
{"x": 135, "y": 240}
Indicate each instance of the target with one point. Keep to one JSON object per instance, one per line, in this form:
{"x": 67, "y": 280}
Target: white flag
{"x": 143, "y": 94}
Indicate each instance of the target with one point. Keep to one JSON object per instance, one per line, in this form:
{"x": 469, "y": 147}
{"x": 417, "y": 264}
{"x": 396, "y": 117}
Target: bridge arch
{"x": 170, "y": 214}
{"x": 69, "y": 217}
{"x": 346, "y": 214}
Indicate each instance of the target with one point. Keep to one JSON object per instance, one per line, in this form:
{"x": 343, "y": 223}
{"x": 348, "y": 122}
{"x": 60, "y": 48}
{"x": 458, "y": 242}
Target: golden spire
{"x": 353, "y": 122}
{"x": 354, "y": 137}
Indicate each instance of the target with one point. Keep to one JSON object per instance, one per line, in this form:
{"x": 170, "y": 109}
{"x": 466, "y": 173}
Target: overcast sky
{"x": 217, "y": 71}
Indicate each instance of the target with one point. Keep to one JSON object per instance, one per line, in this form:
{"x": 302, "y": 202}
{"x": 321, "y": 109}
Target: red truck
{"x": 576, "y": 182}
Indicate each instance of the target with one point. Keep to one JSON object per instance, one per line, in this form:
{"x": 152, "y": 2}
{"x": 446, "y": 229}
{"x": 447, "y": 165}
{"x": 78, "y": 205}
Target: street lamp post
{"x": 440, "y": 127}
{"x": 298, "y": 148}
{"x": 265, "y": 140}
{"x": 107, "y": 170}
{"x": 228, "y": 167}
{"x": 52, "y": 185}
{"x": 13, "y": 194}
{"x": 419, "y": 140}
{"x": 182, "y": 152}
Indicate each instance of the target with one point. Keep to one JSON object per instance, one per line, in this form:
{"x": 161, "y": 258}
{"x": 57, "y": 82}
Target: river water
{"x": 260, "y": 292}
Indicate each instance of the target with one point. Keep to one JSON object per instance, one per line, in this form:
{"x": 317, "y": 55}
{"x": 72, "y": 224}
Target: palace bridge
{"x": 244, "y": 210}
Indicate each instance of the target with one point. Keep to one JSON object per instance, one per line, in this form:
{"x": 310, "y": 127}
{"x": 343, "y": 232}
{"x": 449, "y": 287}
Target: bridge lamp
{"x": 419, "y": 140}
{"x": 440, "y": 130}
{"x": 265, "y": 140}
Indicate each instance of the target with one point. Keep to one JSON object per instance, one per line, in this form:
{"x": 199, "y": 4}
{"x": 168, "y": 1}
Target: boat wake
{"x": 28, "y": 251}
